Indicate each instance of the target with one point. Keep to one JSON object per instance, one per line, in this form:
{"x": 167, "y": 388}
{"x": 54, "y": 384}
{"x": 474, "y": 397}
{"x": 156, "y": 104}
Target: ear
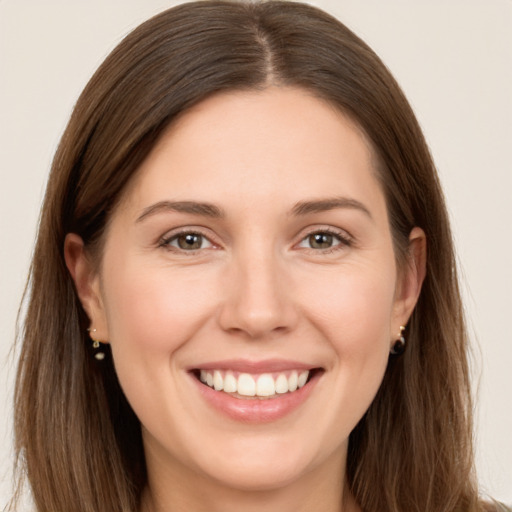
{"x": 87, "y": 284}
{"x": 410, "y": 279}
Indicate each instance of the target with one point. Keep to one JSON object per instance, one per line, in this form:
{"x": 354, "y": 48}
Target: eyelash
{"x": 344, "y": 240}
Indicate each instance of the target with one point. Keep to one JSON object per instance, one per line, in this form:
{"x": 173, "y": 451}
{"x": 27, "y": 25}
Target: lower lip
{"x": 256, "y": 410}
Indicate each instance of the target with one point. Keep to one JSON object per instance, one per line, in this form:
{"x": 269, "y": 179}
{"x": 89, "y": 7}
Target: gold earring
{"x": 96, "y": 345}
{"x": 398, "y": 347}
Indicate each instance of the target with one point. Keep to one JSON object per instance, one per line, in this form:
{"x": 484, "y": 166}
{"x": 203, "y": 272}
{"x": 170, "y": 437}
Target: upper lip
{"x": 248, "y": 366}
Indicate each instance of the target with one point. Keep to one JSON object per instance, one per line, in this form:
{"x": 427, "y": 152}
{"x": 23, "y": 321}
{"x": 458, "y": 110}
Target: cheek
{"x": 353, "y": 309}
{"x": 154, "y": 309}
{"x": 354, "y": 316}
{"x": 358, "y": 328}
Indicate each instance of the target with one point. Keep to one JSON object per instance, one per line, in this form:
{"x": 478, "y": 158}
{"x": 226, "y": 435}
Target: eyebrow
{"x": 323, "y": 205}
{"x": 192, "y": 207}
{"x": 210, "y": 210}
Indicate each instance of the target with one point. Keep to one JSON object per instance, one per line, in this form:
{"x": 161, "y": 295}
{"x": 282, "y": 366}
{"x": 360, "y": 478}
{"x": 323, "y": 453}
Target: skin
{"x": 257, "y": 288}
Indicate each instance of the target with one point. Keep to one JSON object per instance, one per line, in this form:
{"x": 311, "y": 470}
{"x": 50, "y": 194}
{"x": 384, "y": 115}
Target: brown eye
{"x": 321, "y": 240}
{"x": 188, "y": 242}
{"x": 325, "y": 240}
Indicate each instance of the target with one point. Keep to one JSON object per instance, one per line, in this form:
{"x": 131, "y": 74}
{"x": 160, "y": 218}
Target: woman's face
{"x": 252, "y": 251}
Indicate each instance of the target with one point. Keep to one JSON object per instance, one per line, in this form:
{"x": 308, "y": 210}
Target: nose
{"x": 258, "y": 298}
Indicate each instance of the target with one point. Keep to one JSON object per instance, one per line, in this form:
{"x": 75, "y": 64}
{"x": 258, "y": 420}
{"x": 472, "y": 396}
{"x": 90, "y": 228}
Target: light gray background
{"x": 453, "y": 59}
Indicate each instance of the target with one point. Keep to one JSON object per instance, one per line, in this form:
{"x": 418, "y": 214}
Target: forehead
{"x": 276, "y": 144}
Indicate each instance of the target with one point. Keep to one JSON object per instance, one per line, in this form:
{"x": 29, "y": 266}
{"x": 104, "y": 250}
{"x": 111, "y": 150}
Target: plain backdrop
{"x": 453, "y": 59}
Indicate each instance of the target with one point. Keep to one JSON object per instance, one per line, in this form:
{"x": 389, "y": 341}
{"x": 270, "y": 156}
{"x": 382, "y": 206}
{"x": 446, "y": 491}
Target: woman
{"x": 243, "y": 293}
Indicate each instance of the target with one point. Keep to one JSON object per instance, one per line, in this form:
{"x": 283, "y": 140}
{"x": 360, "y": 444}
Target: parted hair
{"x": 78, "y": 441}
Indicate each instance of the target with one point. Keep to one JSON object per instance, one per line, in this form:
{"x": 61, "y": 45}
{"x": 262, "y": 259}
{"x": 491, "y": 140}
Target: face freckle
{"x": 289, "y": 267}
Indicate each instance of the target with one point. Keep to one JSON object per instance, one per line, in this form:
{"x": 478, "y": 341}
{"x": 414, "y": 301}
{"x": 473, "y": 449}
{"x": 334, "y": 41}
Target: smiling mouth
{"x": 255, "y": 386}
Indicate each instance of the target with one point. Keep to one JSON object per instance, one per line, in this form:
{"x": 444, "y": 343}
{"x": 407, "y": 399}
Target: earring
{"x": 398, "y": 347}
{"x": 96, "y": 345}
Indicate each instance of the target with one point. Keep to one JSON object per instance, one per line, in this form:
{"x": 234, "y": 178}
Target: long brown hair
{"x": 77, "y": 439}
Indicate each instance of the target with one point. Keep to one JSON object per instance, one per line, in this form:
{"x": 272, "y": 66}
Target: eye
{"x": 187, "y": 241}
{"x": 324, "y": 240}
{"x": 321, "y": 240}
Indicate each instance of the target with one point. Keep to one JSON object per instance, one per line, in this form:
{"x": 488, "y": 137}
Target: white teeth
{"x": 218, "y": 381}
{"x": 281, "y": 384}
{"x": 303, "y": 377}
{"x": 264, "y": 385}
{"x": 246, "y": 385}
{"x": 230, "y": 384}
{"x": 293, "y": 381}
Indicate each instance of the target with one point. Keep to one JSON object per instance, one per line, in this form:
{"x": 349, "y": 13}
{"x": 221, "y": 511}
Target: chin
{"x": 266, "y": 463}
{"x": 258, "y": 476}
